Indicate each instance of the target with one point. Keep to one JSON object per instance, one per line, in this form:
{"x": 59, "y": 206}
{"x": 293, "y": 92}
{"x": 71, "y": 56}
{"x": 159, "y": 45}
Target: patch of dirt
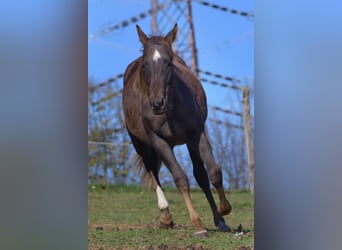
{"x": 245, "y": 248}
{"x": 160, "y": 247}
{"x": 125, "y": 227}
{"x": 117, "y": 227}
{"x": 166, "y": 247}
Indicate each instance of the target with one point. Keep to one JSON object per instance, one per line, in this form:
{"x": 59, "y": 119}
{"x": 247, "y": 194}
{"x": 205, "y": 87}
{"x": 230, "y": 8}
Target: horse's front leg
{"x": 165, "y": 219}
{"x": 166, "y": 153}
{"x": 215, "y": 173}
{"x": 152, "y": 163}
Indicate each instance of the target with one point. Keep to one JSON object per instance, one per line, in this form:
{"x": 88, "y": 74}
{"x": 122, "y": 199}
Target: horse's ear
{"x": 142, "y": 36}
{"x": 171, "y": 36}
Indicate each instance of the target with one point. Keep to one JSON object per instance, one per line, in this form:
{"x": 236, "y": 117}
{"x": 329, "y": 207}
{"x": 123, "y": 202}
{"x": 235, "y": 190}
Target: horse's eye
{"x": 169, "y": 65}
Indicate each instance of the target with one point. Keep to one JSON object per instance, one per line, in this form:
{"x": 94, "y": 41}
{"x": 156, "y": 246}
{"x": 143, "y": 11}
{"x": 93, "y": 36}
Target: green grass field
{"x": 126, "y": 217}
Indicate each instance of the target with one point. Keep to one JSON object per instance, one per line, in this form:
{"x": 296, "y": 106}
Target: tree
{"x": 109, "y": 148}
{"x": 229, "y": 152}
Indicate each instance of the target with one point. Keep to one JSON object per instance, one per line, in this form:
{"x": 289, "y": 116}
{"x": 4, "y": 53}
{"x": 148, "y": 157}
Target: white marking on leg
{"x": 162, "y": 202}
{"x": 156, "y": 55}
{"x": 200, "y": 232}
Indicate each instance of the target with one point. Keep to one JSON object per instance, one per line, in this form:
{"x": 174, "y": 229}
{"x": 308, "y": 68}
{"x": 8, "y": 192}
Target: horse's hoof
{"x": 202, "y": 234}
{"x": 222, "y": 227}
{"x": 165, "y": 219}
{"x": 166, "y": 226}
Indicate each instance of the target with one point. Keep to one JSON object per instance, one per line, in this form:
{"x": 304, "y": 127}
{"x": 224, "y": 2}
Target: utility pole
{"x": 165, "y": 14}
{"x": 248, "y": 136}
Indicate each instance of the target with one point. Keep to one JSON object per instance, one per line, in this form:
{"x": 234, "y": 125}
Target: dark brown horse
{"x": 164, "y": 106}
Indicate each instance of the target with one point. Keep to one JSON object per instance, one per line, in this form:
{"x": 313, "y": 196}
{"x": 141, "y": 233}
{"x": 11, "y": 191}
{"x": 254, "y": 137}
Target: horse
{"x": 164, "y": 106}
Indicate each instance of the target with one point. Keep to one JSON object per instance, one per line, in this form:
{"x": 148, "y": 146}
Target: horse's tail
{"x": 145, "y": 177}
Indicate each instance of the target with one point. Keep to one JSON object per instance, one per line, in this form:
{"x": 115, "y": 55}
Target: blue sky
{"x": 225, "y": 42}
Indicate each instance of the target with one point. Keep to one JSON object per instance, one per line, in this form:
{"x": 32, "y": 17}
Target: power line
{"x": 131, "y": 20}
{"x": 233, "y": 11}
{"x": 110, "y": 80}
{"x": 228, "y": 78}
{"x": 225, "y": 85}
{"x": 226, "y": 123}
{"x": 227, "y": 111}
{"x": 108, "y": 97}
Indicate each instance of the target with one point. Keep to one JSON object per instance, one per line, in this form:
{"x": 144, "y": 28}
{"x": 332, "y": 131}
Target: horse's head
{"x": 157, "y": 67}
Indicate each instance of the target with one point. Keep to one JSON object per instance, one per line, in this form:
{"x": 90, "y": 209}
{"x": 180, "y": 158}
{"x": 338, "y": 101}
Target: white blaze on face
{"x": 156, "y": 55}
{"x": 162, "y": 202}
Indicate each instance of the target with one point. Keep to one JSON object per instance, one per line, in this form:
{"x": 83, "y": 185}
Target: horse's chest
{"x": 174, "y": 131}
{"x": 166, "y": 131}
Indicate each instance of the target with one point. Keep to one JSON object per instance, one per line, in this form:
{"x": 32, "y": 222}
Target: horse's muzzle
{"x": 158, "y": 105}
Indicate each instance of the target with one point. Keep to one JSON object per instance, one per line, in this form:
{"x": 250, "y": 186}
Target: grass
{"x": 126, "y": 217}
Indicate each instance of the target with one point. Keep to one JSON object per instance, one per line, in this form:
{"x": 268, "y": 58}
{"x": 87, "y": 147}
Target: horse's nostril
{"x": 157, "y": 104}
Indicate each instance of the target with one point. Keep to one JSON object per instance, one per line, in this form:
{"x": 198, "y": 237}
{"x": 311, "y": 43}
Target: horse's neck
{"x": 190, "y": 87}
{"x": 178, "y": 59}
{"x": 179, "y": 91}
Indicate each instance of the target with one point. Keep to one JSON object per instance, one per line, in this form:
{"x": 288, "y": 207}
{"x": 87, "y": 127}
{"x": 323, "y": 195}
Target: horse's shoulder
{"x": 188, "y": 77}
{"x": 194, "y": 84}
{"x": 134, "y": 64}
{"x": 131, "y": 69}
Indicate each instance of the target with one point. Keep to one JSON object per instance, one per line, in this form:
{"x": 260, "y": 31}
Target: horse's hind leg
{"x": 152, "y": 163}
{"x": 202, "y": 179}
{"x": 215, "y": 173}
